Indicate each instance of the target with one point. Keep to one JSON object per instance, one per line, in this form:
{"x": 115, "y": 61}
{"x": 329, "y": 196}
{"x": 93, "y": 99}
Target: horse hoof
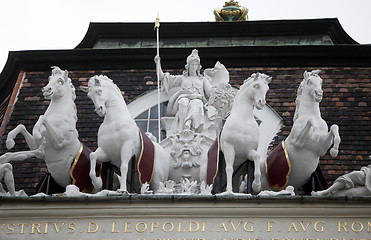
{"x": 122, "y": 191}
{"x": 97, "y": 183}
{"x": 9, "y": 143}
{"x": 314, "y": 194}
{"x": 226, "y": 193}
{"x": 334, "y": 152}
{"x": 256, "y": 187}
{"x": 318, "y": 194}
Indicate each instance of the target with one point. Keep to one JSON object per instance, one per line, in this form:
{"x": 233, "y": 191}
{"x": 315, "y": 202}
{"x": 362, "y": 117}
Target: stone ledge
{"x": 187, "y": 198}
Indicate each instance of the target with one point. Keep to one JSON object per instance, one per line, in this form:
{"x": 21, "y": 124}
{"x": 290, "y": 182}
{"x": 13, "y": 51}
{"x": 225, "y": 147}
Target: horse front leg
{"x": 330, "y": 138}
{"x": 126, "y": 153}
{"x": 36, "y": 131}
{"x": 229, "y": 155}
{"x": 31, "y": 141}
{"x": 334, "y": 129}
{"x": 298, "y": 136}
{"x": 55, "y": 134}
{"x": 256, "y": 184}
{"x": 101, "y": 155}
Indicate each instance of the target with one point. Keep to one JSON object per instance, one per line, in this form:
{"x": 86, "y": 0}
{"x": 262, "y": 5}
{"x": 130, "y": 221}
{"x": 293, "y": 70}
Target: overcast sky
{"x": 52, "y": 24}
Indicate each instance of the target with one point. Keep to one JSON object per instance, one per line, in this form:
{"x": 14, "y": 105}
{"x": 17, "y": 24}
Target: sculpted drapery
{"x": 187, "y": 104}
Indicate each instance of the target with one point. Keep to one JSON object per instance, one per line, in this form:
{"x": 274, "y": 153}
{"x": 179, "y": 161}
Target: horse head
{"x": 59, "y": 85}
{"x": 311, "y": 86}
{"x": 309, "y": 90}
{"x": 99, "y": 92}
{"x": 258, "y": 88}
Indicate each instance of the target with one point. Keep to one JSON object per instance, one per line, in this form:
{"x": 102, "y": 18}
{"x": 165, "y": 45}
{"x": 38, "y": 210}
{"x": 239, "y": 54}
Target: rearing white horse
{"x": 119, "y": 138}
{"x": 308, "y": 140}
{"x": 239, "y": 139}
{"x": 54, "y": 137}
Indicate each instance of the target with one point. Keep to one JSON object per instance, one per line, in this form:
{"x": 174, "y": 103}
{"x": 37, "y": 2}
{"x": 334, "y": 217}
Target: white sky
{"x": 53, "y": 24}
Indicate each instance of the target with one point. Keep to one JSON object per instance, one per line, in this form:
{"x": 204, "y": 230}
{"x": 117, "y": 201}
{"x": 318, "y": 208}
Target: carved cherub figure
{"x": 356, "y": 183}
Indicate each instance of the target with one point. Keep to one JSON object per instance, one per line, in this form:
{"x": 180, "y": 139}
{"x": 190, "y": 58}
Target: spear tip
{"x": 157, "y": 23}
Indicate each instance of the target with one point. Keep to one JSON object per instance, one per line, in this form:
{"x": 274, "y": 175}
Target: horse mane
{"x": 105, "y": 79}
{"x": 301, "y": 88}
{"x": 254, "y": 77}
{"x": 64, "y": 74}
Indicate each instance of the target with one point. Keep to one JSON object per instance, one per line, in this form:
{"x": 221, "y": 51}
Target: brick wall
{"x": 346, "y": 102}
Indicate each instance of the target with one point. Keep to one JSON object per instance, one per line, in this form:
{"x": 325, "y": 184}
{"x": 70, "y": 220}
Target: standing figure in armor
{"x": 187, "y": 104}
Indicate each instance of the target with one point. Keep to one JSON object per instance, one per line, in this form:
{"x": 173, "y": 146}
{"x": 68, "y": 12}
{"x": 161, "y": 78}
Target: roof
{"x": 214, "y": 34}
{"x": 257, "y": 42}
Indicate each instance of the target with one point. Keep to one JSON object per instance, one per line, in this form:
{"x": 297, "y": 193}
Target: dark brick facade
{"x": 346, "y": 102}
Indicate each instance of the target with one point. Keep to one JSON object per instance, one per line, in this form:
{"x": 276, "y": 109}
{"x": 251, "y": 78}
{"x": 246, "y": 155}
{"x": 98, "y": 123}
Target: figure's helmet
{"x": 193, "y": 56}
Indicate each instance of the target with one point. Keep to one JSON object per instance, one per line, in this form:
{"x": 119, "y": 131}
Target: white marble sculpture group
{"x": 198, "y": 106}
{"x": 54, "y": 137}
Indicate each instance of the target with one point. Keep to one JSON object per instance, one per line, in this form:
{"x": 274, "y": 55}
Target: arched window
{"x": 144, "y": 110}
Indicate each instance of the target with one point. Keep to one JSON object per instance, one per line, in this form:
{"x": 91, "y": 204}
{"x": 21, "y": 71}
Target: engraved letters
{"x": 235, "y": 229}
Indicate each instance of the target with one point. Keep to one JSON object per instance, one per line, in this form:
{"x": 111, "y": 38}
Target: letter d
{"x": 89, "y": 228}
{"x": 197, "y": 226}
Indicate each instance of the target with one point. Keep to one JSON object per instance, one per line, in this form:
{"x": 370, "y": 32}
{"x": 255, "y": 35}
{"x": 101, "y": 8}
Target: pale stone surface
{"x": 188, "y": 152}
{"x": 74, "y": 191}
{"x": 184, "y": 217}
{"x": 309, "y": 138}
{"x": 20, "y": 193}
{"x": 6, "y": 173}
{"x": 118, "y": 135}
{"x": 187, "y": 104}
{"x": 197, "y": 106}
{"x": 288, "y": 191}
{"x": 54, "y": 137}
{"x": 356, "y": 183}
{"x": 240, "y": 136}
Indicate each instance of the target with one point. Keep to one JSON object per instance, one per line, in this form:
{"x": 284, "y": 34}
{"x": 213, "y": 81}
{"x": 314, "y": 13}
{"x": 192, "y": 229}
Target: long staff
{"x": 157, "y": 27}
